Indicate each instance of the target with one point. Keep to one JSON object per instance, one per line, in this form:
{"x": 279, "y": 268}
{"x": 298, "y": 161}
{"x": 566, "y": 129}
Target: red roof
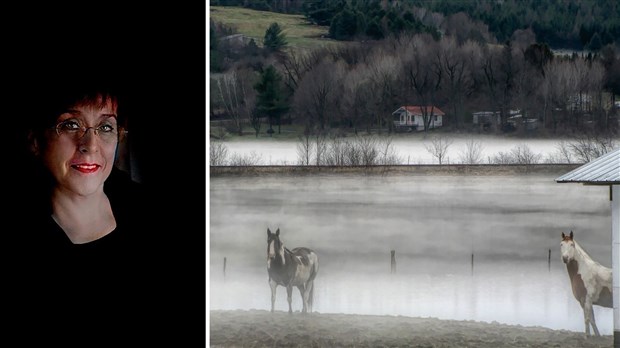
{"x": 419, "y": 110}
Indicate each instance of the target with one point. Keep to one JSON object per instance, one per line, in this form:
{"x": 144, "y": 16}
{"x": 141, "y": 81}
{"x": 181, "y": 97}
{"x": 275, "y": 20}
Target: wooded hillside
{"x": 561, "y": 24}
{"x": 356, "y": 86}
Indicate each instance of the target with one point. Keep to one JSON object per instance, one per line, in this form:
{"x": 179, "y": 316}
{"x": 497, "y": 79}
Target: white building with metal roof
{"x": 605, "y": 170}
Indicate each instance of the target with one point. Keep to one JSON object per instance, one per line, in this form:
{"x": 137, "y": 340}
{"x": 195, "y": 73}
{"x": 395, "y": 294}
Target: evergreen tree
{"x": 374, "y": 30}
{"x": 275, "y": 39}
{"x": 595, "y": 42}
{"x": 344, "y": 25}
{"x": 214, "y": 54}
{"x": 321, "y": 12}
{"x": 270, "y": 100}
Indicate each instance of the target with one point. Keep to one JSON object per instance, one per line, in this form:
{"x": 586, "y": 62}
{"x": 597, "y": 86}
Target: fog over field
{"x": 434, "y": 224}
{"x": 410, "y": 149}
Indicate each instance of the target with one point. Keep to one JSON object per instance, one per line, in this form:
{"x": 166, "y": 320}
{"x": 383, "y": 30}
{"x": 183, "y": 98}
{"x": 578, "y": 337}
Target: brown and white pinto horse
{"x": 590, "y": 281}
{"x": 289, "y": 268}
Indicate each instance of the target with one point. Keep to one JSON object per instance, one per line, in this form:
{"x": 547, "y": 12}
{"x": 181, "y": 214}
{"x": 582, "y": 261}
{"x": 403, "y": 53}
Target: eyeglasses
{"x": 75, "y": 131}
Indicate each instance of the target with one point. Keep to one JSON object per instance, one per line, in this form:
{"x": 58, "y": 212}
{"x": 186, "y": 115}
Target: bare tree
{"x": 320, "y": 145}
{"x": 218, "y": 153}
{"x": 562, "y": 154}
{"x": 336, "y": 154}
{"x": 297, "y": 63}
{"x": 545, "y": 93}
{"x": 356, "y": 99}
{"x": 383, "y": 76}
{"x": 246, "y": 160}
{"x": 455, "y": 67}
{"x": 317, "y": 97}
{"x": 490, "y": 68}
{"x": 522, "y": 154}
{"x": 438, "y": 147}
{"x": 359, "y": 151}
{"x": 368, "y": 150}
{"x": 472, "y": 153}
{"x": 304, "y": 149}
{"x": 558, "y": 86}
{"x": 502, "y": 158}
{"x": 596, "y": 82}
{"x": 387, "y": 153}
{"x": 422, "y": 69}
{"x": 236, "y": 98}
{"x": 255, "y": 121}
{"x": 591, "y": 145}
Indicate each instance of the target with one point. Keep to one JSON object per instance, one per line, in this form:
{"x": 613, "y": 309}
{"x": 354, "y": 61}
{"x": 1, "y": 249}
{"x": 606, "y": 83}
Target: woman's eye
{"x": 106, "y": 128}
{"x": 69, "y": 125}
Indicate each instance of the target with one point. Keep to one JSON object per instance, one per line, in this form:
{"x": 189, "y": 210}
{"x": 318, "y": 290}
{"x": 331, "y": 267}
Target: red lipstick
{"x": 86, "y": 168}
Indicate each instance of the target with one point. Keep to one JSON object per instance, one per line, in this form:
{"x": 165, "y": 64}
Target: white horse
{"x": 590, "y": 281}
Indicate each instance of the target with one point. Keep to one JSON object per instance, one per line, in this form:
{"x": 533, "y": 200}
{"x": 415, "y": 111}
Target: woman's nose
{"x": 88, "y": 141}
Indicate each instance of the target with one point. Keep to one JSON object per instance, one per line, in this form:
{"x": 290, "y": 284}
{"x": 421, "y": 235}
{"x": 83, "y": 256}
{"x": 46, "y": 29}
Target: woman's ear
{"x": 122, "y": 135}
{"x": 121, "y": 156}
{"x": 34, "y": 143}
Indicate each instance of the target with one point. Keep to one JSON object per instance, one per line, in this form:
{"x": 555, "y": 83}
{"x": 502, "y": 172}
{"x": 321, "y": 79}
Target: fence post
{"x": 224, "y": 266}
{"x": 393, "y": 262}
{"x": 472, "y": 263}
{"x": 549, "y": 261}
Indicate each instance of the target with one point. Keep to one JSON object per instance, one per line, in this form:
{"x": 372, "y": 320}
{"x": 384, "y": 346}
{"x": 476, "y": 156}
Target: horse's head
{"x": 567, "y": 247}
{"x": 275, "y": 248}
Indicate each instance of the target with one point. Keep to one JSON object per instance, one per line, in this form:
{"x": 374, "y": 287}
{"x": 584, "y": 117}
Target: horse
{"x": 297, "y": 267}
{"x": 590, "y": 281}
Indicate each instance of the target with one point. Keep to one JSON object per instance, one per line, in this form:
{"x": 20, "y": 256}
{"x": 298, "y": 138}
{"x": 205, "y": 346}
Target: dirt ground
{"x": 260, "y": 328}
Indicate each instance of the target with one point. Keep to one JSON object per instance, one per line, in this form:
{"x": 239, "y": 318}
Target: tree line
{"x": 358, "y": 86}
{"x": 575, "y": 24}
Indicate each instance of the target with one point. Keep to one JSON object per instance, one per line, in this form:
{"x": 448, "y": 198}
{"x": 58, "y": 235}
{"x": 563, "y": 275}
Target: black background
{"x": 158, "y": 51}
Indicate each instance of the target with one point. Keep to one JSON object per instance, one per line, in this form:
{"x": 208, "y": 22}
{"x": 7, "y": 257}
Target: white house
{"x": 412, "y": 117}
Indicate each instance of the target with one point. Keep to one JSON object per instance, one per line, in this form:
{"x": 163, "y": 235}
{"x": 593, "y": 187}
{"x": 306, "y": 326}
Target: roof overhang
{"x": 604, "y": 170}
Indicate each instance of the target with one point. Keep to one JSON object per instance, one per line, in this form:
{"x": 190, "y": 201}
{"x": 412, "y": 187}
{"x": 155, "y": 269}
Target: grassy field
{"x": 300, "y": 34}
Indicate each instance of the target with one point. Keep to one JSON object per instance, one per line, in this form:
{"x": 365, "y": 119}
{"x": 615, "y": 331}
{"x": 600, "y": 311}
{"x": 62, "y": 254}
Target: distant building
{"x": 408, "y": 118}
{"x": 515, "y": 120}
{"x": 485, "y": 118}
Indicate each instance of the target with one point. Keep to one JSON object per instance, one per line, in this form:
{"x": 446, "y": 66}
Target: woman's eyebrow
{"x": 78, "y": 116}
{"x": 78, "y": 112}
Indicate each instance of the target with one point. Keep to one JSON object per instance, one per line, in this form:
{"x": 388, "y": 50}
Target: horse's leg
{"x": 593, "y": 321}
{"x": 289, "y": 298}
{"x": 587, "y": 312}
{"x": 303, "y": 291}
{"x": 273, "y": 285}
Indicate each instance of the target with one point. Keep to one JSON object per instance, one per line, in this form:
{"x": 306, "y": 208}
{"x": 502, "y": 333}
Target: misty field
{"x": 467, "y": 248}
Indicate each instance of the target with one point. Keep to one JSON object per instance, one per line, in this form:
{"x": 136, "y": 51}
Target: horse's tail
{"x": 315, "y": 270}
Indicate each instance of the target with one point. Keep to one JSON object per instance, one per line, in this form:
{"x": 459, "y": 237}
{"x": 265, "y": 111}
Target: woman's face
{"x": 81, "y": 161}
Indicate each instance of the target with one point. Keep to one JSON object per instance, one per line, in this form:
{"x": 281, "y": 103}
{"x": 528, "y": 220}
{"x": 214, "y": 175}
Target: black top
{"x": 116, "y": 289}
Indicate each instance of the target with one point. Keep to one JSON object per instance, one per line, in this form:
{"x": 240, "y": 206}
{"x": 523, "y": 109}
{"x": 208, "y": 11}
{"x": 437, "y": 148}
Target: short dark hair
{"x": 48, "y": 100}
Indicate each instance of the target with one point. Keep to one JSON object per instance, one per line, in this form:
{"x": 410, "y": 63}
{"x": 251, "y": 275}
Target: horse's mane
{"x": 581, "y": 249}
{"x": 584, "y": 252}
